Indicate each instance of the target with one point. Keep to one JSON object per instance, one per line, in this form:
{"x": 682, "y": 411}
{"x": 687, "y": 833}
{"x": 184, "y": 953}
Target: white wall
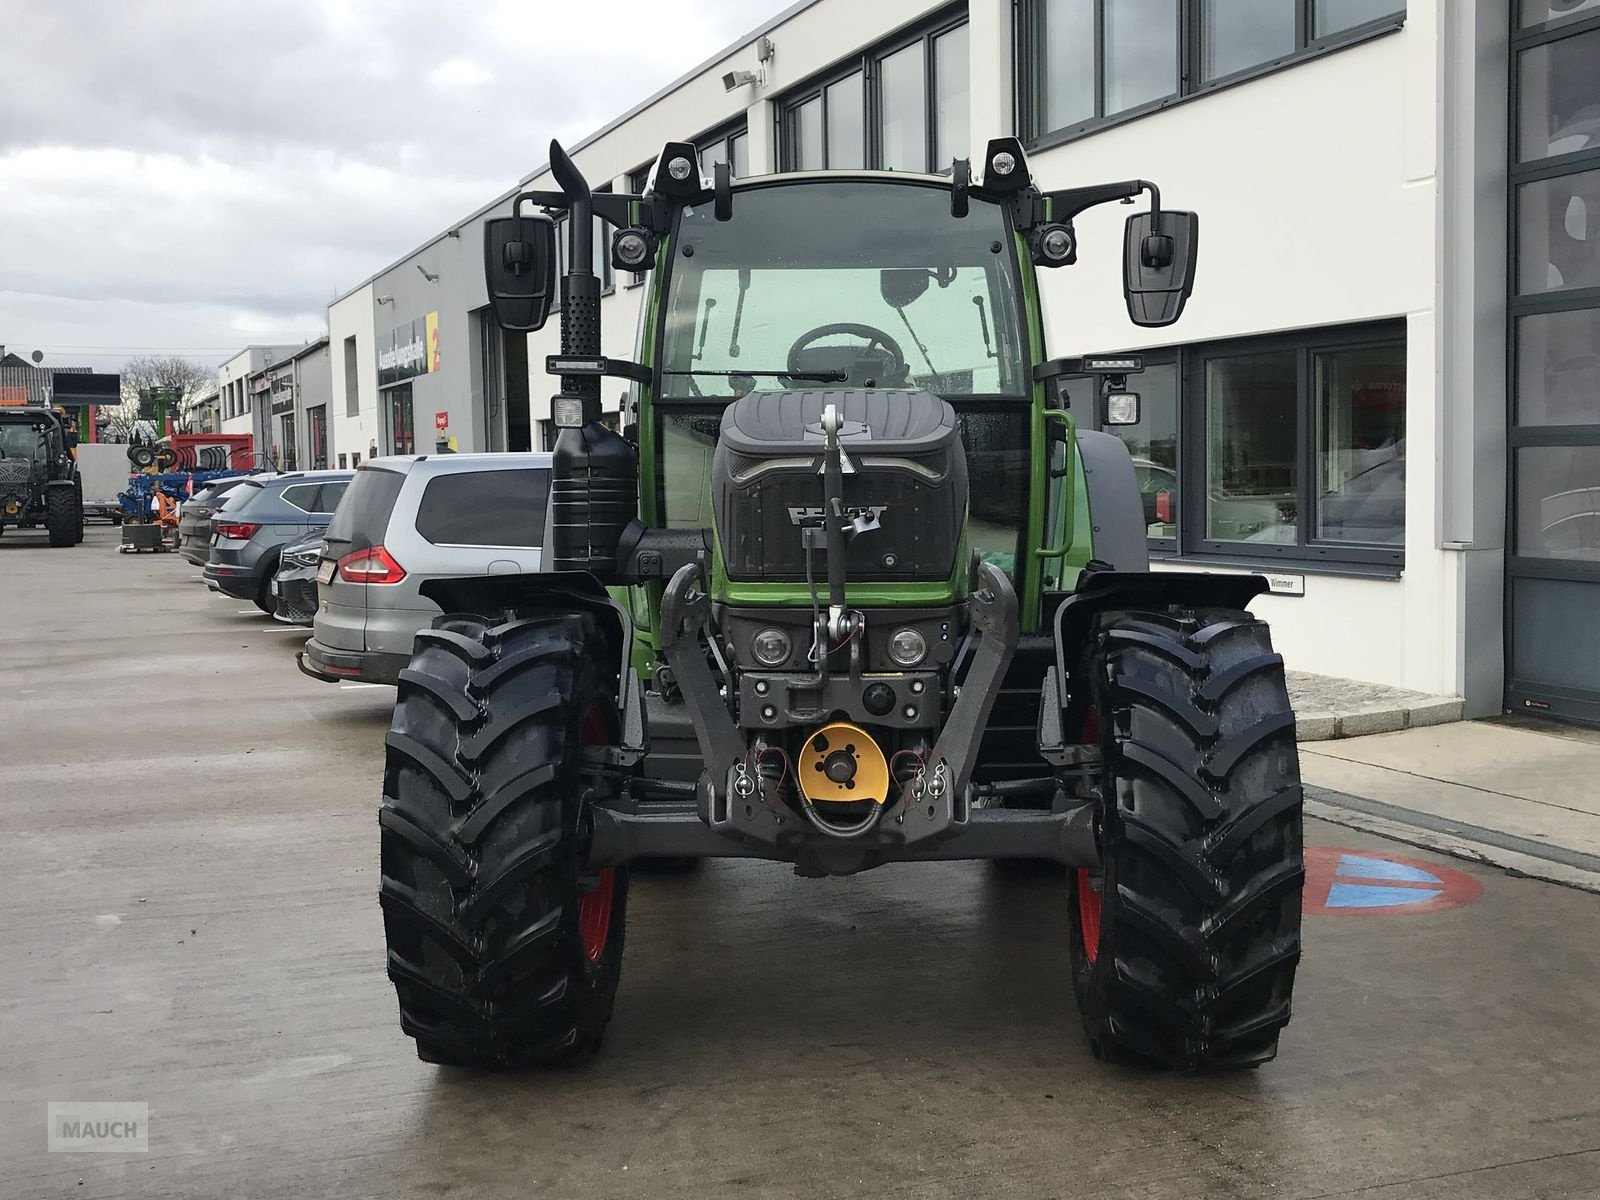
{"x": 1317, "y": 197}
{"x": 353, "y": 316}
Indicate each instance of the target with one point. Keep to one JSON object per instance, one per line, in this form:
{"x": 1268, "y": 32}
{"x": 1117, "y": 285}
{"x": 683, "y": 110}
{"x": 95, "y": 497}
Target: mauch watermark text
{"x": 98, "y": 1127}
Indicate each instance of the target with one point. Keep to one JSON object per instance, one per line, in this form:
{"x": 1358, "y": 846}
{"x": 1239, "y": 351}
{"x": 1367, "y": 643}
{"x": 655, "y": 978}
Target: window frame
{"x": 1307, "y": 553}
{"x": 1026, "y": 54}
{"x": 868, "y": 63}
{"x": 1306, "y": 345}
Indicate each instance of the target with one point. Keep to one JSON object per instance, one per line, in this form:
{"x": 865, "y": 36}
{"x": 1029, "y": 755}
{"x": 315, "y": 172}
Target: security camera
{"x": 738, "y": 79}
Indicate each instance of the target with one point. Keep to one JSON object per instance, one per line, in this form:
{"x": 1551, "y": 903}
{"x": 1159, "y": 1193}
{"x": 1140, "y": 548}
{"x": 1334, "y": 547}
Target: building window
{"x": 1087, "y": 62}
{"x": 352, "y": 383}
{"x": 729, "y": 145}
{"x": 1303, "y": 446}
{"x": 901, "y": 106}
{"x": 1287, "y": 447}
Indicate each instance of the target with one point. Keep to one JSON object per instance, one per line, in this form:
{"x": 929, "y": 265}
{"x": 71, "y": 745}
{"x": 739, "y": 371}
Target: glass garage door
{"x": 1553, "y": 539}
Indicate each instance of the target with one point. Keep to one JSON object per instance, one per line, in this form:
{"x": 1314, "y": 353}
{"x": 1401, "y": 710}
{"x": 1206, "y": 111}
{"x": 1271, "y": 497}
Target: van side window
{"x": 485, "y": 508}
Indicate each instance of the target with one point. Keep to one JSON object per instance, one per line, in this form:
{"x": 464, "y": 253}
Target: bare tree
{"x": 189, "y": 382}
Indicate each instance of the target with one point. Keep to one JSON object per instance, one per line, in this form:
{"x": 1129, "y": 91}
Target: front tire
{"x": 1184, "y": 945}
{"x": 504, "y": 951}
{"x": 63, "y": 517}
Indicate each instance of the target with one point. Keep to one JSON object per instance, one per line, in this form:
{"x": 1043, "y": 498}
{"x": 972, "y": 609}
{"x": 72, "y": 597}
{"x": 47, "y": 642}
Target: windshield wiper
{"x": 817, "y": 376}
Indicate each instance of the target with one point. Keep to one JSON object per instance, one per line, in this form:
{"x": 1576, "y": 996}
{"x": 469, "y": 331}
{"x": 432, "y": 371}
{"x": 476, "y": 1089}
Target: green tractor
{"x": 848, "y": 588}
{"x": 39, "y": 483}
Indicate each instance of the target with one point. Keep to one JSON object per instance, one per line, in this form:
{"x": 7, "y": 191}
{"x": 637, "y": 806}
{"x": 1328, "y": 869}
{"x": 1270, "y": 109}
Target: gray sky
{"x": 195, "y": 175}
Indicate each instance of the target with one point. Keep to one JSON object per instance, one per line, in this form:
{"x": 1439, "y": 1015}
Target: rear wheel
{"x": 1184, "y": 945}
{"x": 263, "y": 597}
{"x": 63, "y": 517}
{"x": 504, "y": 951}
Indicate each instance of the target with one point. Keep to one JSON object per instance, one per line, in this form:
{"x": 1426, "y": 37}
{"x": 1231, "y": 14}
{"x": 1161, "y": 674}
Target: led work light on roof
{"x": 1005, "y": 167}
{"x": 676, "y": 174}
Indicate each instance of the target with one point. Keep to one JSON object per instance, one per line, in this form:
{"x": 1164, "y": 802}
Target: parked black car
{"x": 294, "y": 587}
{"x": 258, "y": 519}
{"x": 194, "y": 518}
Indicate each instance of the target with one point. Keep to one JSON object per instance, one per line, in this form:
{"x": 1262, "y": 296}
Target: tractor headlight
{"x": 907, "y": 647}
{"x": 679, "y": 168}
{"x": 771, "y": 647}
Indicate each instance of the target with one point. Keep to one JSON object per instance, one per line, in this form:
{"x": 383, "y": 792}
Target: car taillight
{"x": 236, "y": 529}
{"x": 1164, "y": 507}
{"x": 373, "y": 565}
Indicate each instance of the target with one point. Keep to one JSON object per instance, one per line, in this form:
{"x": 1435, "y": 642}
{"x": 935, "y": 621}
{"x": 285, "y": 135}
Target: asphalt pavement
{"x": 188, "y": 877}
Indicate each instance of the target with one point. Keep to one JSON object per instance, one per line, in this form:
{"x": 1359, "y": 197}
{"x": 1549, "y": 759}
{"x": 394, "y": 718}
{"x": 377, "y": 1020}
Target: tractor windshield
{"x": 843, "y": 284}
{"x": 19, "y": 440}
{"x": 848, "y": 284}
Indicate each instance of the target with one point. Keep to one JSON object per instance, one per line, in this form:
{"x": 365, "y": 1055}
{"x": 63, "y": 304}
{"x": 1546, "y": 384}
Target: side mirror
{"x": 519, "y": 267}
{"x": 1158, "y": 265}
{"x": 899, "y": 286}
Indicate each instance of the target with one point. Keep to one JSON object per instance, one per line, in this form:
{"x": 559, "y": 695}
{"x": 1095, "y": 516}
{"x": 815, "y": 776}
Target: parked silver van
{"x": 406, "y": 520}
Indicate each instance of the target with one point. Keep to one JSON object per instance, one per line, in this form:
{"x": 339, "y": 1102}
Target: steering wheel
{"x": 879, "y": 342}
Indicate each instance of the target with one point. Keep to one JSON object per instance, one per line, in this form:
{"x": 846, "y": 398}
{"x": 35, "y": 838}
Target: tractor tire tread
{"x": 1201, "y": 842}
{"x": 63, "y": 517}
{"x": 481, "y": 871}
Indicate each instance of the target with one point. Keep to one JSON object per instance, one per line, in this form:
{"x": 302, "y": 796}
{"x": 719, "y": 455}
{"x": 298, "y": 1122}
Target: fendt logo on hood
{"x": 802, "y": 515}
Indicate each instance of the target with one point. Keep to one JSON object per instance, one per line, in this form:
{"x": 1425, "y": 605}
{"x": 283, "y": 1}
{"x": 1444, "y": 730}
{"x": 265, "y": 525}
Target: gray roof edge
{"x": 766, "y": 27}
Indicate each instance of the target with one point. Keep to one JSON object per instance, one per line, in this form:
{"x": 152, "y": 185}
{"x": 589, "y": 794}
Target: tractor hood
{"x": 905, "y": 469}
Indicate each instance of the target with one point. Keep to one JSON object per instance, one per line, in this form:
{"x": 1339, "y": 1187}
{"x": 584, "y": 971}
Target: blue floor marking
{"x": 1362, "y": 895}
{"x": 1381, "y": 868}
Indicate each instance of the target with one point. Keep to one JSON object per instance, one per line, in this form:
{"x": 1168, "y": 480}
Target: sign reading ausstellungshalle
{"x": 409, "y": 350}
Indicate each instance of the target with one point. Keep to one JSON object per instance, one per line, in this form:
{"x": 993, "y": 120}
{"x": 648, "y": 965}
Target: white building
{"x": 1360, "y": 399}
{"x": 240, "y": 382}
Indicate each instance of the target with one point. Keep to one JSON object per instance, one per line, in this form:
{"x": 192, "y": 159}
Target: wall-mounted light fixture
{"x": 385, "y": 299}
{"x": 430, "y": 277}
{"x": 733, "y": 80}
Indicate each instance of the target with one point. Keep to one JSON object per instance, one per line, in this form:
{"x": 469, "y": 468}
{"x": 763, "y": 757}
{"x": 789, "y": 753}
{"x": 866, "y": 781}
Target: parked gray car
{"x": 194, "y": 518}
{"x": 258, "y": 519}
{"x": 404, "y": 521}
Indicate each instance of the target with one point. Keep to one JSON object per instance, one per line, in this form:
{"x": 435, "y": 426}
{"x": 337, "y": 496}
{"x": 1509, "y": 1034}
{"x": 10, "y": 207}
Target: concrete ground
{"x": 188, "y": 869}
{"x": 1521, "y": 794}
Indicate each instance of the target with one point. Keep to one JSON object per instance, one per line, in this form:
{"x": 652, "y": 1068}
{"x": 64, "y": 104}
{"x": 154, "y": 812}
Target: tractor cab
{"x": 862, "y": 291}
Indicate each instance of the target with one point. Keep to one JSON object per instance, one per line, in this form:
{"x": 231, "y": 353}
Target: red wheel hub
{"x": 1088, "y": 894}
{"x": 1088, "y": 914}
{"x": 594, "y": 915}
{"x": 594, "y": 908}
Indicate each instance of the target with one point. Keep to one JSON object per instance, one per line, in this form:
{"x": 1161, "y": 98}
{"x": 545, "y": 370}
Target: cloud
{"x": 192, "y": 173}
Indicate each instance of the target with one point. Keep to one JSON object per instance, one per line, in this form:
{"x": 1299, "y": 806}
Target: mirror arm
{"x": 1067, "y": 204}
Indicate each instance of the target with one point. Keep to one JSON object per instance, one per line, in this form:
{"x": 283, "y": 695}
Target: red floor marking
{"x": 1346, "y": 883}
